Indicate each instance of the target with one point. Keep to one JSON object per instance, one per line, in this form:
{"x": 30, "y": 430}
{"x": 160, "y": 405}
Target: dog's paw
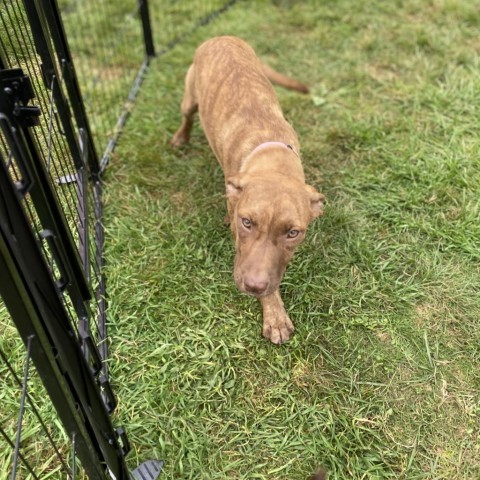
{"x": 278, "y": 328}
{"x": 179, "y": 139}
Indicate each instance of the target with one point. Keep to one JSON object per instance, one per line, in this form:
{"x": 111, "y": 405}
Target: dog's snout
{"x": 255, "y": 285}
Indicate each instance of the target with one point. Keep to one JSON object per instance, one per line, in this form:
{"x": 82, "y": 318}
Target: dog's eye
{"x": 247, "y": 223}
{"x": 293, "y": 233}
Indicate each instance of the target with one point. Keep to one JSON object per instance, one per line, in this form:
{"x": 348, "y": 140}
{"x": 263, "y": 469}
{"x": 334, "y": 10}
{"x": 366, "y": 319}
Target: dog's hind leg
{"x": 189, "y": 108}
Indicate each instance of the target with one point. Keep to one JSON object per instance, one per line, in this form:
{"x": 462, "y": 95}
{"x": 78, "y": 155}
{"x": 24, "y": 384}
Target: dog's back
{"x": 237, "y": 105}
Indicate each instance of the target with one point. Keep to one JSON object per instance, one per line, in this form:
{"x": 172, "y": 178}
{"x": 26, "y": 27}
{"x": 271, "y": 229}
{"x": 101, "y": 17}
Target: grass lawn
{"x": 381, "y": 379}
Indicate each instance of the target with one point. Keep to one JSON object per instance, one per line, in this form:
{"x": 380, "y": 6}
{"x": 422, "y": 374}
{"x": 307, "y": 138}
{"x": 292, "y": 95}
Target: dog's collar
{"x": 271, "y": 144}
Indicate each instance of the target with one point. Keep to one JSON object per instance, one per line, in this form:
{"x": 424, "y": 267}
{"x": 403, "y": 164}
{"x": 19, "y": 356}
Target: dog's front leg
{"x": 277, "y": 325}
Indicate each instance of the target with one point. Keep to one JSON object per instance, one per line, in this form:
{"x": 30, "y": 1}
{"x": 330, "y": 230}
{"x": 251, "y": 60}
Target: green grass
{"x": 381, "y": 377}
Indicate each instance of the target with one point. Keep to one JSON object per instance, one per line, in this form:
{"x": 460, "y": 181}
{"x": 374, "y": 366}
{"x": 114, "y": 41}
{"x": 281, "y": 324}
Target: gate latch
{"x": 15, "y": 92}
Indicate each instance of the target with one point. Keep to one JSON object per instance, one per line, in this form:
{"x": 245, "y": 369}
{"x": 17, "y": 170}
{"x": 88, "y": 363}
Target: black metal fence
{"x": 62, "y": 106}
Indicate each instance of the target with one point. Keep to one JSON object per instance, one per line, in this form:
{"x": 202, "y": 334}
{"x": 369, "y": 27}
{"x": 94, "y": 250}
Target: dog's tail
{"x": 284, "y": 81}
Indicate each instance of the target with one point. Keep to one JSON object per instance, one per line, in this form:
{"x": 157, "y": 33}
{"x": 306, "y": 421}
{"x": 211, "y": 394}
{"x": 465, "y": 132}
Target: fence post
{"x": 147, "y": 28}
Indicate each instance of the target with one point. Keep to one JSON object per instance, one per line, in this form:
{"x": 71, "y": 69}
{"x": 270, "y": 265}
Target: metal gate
{"x": 55, "y": 384}
{"x": 51, "y": 242}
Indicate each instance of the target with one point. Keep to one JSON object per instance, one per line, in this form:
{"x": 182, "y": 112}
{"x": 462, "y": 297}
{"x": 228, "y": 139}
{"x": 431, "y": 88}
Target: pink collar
{"x": 271, "y": 144}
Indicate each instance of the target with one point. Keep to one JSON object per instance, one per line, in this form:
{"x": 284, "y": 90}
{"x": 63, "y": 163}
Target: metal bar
{"x": 22, "y": 458}
{"x": 101, "y": 295}
{"x": 22, "y": 408}
{"x": 84, "y": 235}
{"x": 35, "y": 411}
{"x": 82, "y": 208}
{"x": 147, "y": 27}
{"x": 74, "y": 458}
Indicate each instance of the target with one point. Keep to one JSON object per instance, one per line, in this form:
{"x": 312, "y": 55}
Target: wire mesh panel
{"x": 107, "y": 43}
{"x": 63, "y": 103}
{"x": 34, "y": 286}
{"x": 51, "y": 260}
{"x": 74, "y": 211}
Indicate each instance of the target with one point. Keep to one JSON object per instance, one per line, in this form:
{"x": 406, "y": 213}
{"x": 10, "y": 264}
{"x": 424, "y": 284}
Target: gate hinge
{"x": 15, "y": 92}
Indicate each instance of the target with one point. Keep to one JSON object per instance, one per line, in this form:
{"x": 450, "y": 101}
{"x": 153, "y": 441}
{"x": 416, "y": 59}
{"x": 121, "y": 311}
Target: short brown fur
{"x": 269, "y": 205}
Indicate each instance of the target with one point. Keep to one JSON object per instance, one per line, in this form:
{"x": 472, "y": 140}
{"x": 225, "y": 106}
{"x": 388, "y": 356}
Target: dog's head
{"x": 269, "y": 217}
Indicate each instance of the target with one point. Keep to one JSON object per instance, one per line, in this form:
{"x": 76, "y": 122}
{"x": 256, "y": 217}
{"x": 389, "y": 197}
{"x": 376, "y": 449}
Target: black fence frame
{"x": 32, "y": 297}
{"x": 71, "y": 363}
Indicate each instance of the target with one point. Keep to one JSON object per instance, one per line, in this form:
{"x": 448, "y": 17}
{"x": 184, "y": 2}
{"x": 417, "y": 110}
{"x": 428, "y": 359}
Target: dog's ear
{"x": 316, "y": 201}
{"x": 235, "y": 186}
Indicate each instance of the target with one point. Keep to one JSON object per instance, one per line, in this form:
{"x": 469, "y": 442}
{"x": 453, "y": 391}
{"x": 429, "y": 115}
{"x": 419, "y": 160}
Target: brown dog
{"x": 269, "y": 205}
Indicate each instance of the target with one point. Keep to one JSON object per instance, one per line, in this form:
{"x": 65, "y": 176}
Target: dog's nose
{"x": 257, "y": 286}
